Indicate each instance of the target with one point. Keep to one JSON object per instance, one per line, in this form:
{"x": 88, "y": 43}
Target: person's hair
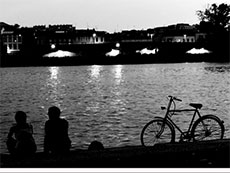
{"x": 95, "y": 146}
{"x": 20, "y": 117}
{"x": 54, "y": 112}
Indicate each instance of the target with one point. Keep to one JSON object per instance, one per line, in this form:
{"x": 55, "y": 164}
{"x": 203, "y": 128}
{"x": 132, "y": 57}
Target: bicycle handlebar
{"x": 174, "y": 98}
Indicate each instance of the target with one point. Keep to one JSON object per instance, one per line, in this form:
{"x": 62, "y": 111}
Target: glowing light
{"x": 118, "y": 45}
{"x": 147, "y": 51}
{"x": 53, "y": 46}
{"x": 11, "y": 51}
{"x": 113, "y": 52}
{"x": 198, "y": 51}
{"x": 60, "y": 54}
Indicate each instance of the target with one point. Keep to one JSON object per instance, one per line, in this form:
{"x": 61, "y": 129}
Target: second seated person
{"x": 56, "y": 139}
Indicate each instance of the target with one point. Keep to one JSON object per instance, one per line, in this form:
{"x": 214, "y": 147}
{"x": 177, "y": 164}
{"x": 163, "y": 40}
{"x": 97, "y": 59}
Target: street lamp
{"x": 117, "y": 45}
{"x": 53, "y": 46}
{"x": 185, "y": 38}
{"x": 94, "y": 37}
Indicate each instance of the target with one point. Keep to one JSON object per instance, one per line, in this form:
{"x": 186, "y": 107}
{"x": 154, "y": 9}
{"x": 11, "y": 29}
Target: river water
{"x": 111, "y": 104}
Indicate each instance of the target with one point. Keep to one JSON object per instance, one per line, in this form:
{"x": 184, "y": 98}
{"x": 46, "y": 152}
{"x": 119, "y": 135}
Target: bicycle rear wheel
{"x": 157, "y": 131}
{"x": 208, "y": 127}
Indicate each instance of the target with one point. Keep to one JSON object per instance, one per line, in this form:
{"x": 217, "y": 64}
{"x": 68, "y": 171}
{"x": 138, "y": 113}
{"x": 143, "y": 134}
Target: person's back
{"x": 56, "y": 133}
{"x": 20, "y": 137}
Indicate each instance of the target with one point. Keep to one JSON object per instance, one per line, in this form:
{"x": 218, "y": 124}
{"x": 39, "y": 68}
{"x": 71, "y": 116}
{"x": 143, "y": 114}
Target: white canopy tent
{"x": 113, "y": 52}
{"x": 60, "y": 54}
{"x": 198, "y": 51}
{"x": 147, "y": 51}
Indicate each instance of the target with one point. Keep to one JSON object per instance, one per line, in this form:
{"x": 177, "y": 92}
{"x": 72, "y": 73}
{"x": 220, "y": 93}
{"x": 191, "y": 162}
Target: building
{"x": 62, "y": 35}
{"x": 54, "y": 35}
{"x": 89, "y": 36}
{"x": 201, "y": 37}
{"x": 179, "y": 38}
{"x": 135, "y": 36}
{"x": 11, "y": 38}
{"x": 179, "y": 33}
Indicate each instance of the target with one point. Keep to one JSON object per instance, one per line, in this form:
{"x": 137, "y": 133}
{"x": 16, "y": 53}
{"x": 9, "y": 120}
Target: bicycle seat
{"x": 196, "y": 105}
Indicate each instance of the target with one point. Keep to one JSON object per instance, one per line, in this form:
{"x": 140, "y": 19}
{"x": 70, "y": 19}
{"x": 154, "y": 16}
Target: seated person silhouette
{"x": 96, "y": 146}
{"x": 20, "y": 137}
{"x": 56, "y": 139}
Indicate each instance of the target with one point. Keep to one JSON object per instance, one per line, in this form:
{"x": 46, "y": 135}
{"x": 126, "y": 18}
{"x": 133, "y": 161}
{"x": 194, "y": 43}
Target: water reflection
{"x": 54, "y": 74}
{"x": 117, "y": 70}
{"x": 112, "y": 103}
{"x": 105, "y": 83}
{"x": 95, "y": 71}
{"x": 94, "y": 89}
{"x": 118, "y": 100}
{"x": 53, "y": 84}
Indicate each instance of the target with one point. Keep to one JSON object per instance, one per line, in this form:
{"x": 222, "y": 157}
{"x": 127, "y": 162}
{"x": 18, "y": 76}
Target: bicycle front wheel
{"x": 208, "y": 127}
{"x": 157, "y": 131}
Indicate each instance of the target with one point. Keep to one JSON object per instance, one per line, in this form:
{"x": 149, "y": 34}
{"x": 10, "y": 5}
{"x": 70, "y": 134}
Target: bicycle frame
{"x": 196, "y": 112}
{"x": 199, "y": 128}
{"x": 167, "y": 115}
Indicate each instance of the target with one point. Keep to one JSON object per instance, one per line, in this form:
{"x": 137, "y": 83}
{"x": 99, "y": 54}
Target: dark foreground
{"x": 211, "y": 154}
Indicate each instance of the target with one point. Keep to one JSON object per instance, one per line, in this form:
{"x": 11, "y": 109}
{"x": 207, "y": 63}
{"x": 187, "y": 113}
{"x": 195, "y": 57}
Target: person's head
{"x": 20, "y": 117}
{"x": 54, "y": 113}
{"x": 95, "y": 146}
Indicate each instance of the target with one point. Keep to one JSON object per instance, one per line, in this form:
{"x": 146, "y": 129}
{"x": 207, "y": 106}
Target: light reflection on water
{"x": 111, "y": 103}
{"x": 117, "y": 91}
{"x": 95, "y": 71}
{"x": 53, "y": 84}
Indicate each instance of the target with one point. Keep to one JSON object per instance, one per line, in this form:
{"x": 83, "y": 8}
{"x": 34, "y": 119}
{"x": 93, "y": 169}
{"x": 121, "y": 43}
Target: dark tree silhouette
{"x": 215, "y": 21}
{"x": 218, "y": 16}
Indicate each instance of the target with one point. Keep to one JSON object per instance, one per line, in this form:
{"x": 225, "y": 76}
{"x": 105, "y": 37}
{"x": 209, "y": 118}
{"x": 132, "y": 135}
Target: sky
{"x": 104, "y": 15}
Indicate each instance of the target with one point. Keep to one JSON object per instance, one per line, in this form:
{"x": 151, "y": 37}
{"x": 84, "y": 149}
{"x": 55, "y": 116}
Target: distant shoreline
{"x": 18, "y": 61}
{"x": 95, "y": 54}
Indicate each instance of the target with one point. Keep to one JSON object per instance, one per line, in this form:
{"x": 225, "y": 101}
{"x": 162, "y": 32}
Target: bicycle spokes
{"x": 208, "y": 129}
{"x": 156, "y": 131}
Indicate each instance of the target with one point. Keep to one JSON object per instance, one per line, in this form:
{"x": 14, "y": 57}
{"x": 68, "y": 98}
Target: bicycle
{"x": 162, "y": 129}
